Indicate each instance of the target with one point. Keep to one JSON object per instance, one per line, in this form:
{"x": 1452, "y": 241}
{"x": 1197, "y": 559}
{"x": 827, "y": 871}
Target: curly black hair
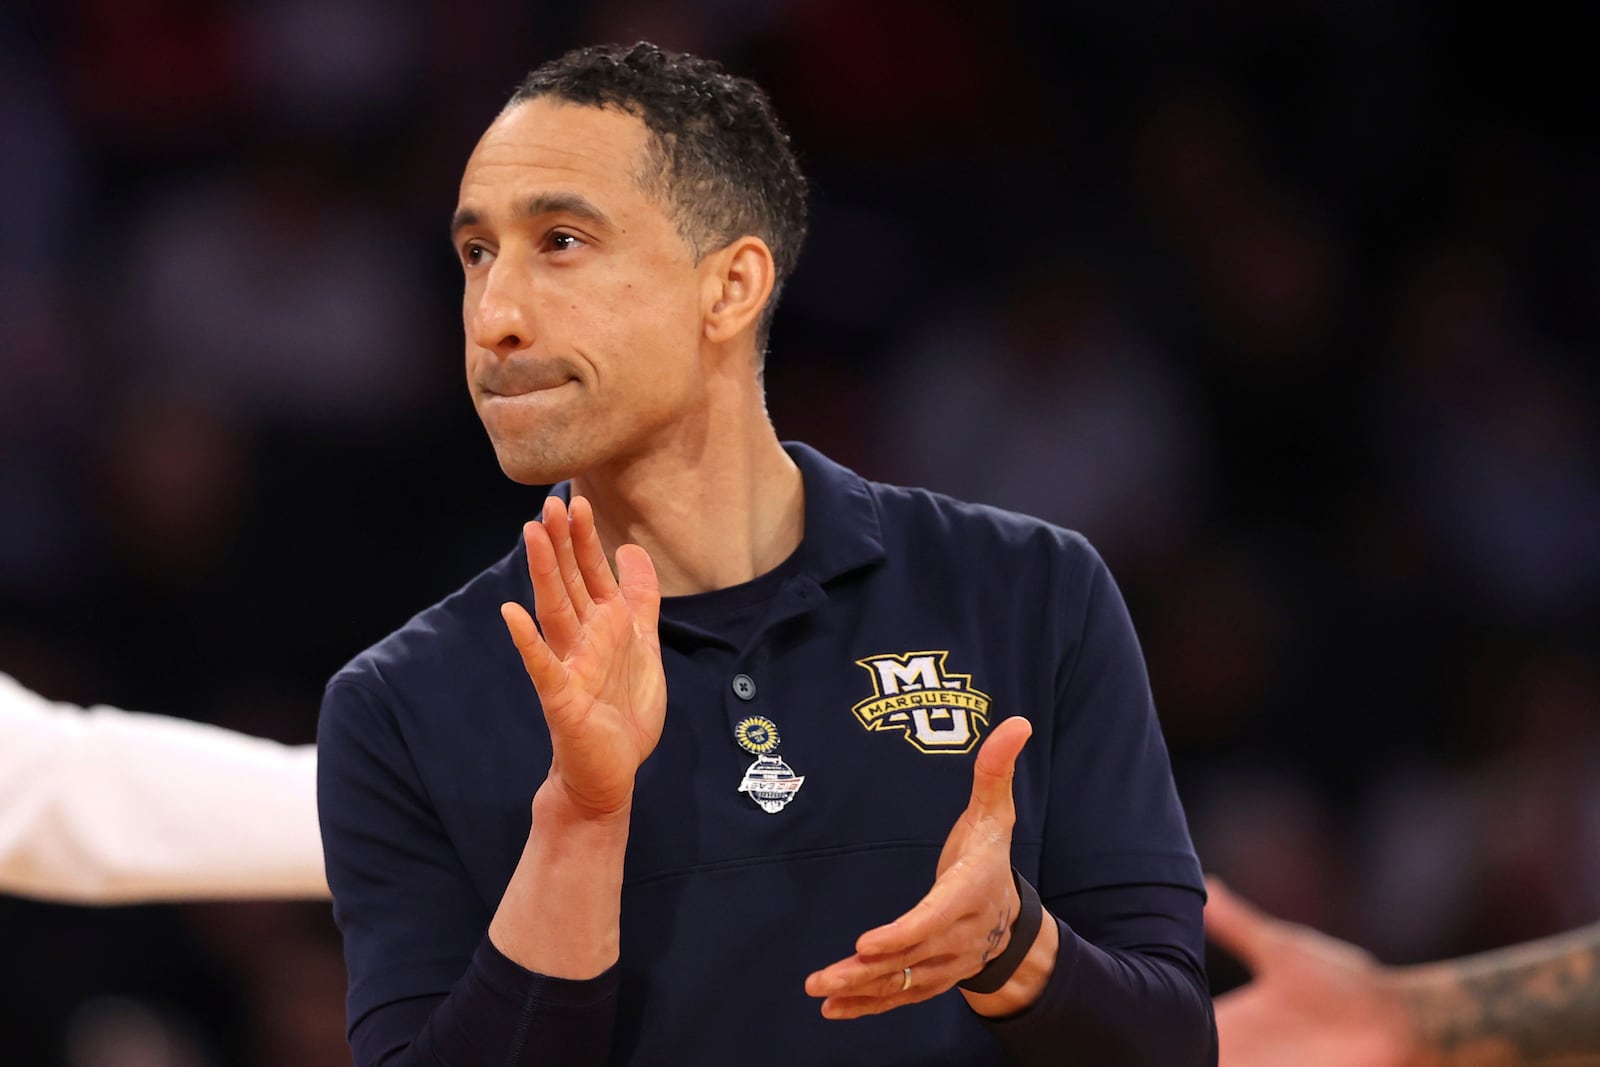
{"x": 717, "y": 156}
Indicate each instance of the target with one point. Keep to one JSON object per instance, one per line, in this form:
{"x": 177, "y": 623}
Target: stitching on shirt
{"x": 1083, "y": 624}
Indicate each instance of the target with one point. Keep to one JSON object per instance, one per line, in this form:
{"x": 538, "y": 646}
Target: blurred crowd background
{"x": 1292, "y": 308}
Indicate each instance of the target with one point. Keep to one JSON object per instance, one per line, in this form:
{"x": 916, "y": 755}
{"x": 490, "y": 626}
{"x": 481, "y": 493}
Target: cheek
{"x": 651, "y": 325}
{"x": 472, "y": 357}
{"x": 665, "y": 307}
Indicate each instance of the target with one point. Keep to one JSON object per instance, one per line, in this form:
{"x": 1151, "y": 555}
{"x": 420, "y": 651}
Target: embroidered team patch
{"x": 938, "y": 710}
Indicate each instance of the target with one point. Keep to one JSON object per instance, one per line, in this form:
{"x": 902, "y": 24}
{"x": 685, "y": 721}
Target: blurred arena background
{"x": 1292, "y": 308}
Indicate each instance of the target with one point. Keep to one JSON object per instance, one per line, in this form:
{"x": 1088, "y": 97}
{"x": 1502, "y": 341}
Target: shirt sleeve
{"x": 104, "y": 806}
{"x": 1117, "y": 866}
{"x": 1129, "y": 987}
{"x": 435, "y": 992}
{"x": 1113, "y": 816}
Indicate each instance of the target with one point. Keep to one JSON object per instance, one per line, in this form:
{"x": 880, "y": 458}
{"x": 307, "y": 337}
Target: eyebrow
{"x": 534, "y": 206}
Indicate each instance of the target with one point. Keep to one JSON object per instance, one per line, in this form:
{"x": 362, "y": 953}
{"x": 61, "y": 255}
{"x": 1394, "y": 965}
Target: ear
{"x": 736, "y": 282}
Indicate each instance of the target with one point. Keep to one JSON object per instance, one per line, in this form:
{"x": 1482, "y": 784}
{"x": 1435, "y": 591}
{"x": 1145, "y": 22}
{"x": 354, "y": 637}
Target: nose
{"x": 498, "y": 317}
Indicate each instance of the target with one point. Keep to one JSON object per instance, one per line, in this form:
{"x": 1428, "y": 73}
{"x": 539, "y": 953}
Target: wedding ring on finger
{"x": 905, "y": 979}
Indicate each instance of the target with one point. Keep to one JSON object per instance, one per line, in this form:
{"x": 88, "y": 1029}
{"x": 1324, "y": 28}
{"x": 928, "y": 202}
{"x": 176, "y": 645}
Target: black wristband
{"x": 1023, "y": 934}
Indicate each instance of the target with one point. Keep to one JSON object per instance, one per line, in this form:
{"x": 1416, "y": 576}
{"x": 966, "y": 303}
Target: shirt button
{"x": 744, "y": 687}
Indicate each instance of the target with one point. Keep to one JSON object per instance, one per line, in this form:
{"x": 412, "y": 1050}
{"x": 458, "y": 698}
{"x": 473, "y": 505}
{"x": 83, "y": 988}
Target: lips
{"x": 520, "y": 379}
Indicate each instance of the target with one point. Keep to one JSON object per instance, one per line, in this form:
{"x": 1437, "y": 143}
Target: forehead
{"x": 545, "y": 142}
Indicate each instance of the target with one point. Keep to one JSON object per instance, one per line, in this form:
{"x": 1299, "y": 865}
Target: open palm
{"x": 594, "y": 657}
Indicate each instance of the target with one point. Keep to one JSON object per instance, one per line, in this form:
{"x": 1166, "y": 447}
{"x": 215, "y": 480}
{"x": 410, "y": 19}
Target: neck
{"x": 716, "y": 505}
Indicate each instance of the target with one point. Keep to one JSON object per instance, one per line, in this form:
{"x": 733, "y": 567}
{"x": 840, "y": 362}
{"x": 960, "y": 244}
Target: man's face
{"x": 582, "y": 305}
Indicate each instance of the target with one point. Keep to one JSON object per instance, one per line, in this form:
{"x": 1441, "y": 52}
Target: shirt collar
{"x": 842, "y": 531}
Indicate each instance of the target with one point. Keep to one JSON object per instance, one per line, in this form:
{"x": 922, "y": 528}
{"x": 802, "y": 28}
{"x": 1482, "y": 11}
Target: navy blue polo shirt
{"x": 904, "y": 627}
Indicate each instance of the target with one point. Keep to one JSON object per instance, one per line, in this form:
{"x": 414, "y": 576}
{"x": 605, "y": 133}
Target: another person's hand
{"x": 597, "y": 664}
{"x": 965, "y": 919}
{"x": 1314, "y": 1001}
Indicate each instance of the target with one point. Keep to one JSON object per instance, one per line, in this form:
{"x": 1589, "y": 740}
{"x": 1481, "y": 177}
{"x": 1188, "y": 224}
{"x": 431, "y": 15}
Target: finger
{"x": 927, "y": 979}
{"x": 841, "y": 978}
{"x": 550, "y": 600}
{"x": 637, "y": 576}
{"x": 855, "y": 974}
{"x": 1237, "y": 925}
{"x": 559, "y": 524}
{"x": 857, "y": 1007}
{"x": 995, "y": 767}
{"x": 597, "y": 576}
{"x": 545, "y": 670}
{"x": 884, "y": 977}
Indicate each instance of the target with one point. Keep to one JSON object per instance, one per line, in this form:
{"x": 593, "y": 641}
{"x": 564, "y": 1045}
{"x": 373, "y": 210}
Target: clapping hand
{"x": 594, "y": 658}
{"x": 965, "y": 919}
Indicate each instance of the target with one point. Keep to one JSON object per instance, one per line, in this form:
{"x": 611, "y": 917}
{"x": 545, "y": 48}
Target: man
{"x": 775, "y": 771}
{"x": 1317, "y": 1002}
{"x": 102, "y": 806}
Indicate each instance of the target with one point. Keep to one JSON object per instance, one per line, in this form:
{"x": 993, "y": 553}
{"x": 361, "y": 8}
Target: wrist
{"x": 1017, "y": 949}
{"x": 1027, "y": 984}
{"x": 1416, "y": 1010}
{"x": 560, "y": 914}
{"x": 555, "y": 810}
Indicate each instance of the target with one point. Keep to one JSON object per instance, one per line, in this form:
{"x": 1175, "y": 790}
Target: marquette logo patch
{"x": 939, "y": 711}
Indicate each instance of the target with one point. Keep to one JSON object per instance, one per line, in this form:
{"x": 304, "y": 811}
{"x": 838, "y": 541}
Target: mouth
{"x": 517, "y": 379}
{"x": 526, "y": 391}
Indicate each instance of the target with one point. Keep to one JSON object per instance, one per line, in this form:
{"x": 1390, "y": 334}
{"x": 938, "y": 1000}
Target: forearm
{"x": 499, "y": 1013}
{"x": 542, "y": 987}
{"x": 561, "y": 912}
{"x": 1536, "y": 1004}
{"x": 428, "y": 987}
{"x": 1114, "y": 1008}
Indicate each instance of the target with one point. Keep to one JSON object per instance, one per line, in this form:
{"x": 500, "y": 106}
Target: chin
{"x": 533, "y": 466}
{"x": 528, "y": 449}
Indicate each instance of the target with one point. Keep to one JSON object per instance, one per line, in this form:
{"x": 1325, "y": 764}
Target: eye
{"x": 474, "y": 254}
{"x": 561, "y": 241}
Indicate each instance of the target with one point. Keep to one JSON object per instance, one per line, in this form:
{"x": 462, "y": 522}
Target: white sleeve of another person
{"x": 104, "y": 806}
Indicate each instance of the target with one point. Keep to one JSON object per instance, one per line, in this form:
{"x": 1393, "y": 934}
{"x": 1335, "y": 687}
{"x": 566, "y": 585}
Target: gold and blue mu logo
{"x": 938, "y": 710}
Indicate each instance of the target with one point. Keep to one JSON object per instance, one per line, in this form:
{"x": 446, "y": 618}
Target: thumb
{"x": 996, "y": 765}
{"x": 636, "y": 574}
{"x": 1237, "y": 925}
